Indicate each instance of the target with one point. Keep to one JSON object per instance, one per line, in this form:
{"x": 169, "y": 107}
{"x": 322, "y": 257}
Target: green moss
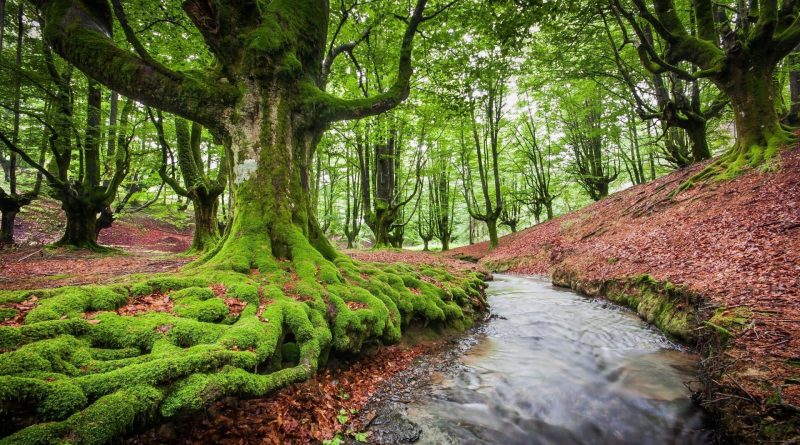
{"x": 71, "y": 302}
{"x": 98, "y": 378}
{"x": 669, "y": 307}
{"x": 211, "y": 310}
{"x": 727, "y": 323}
{"x": 7, "y": 313}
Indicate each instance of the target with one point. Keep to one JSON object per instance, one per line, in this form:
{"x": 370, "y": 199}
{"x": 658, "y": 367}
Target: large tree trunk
{"x": 380, "y": 226}
{"x": 696, "y": 131}
{"x": 81, "y": 228}
{"x": 271, "y": 147}
{"x": 758, "y": 130}
{"x": 206, "y": 229}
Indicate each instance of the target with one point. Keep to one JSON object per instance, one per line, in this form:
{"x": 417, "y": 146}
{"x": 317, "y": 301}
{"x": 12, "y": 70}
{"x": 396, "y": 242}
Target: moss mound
{"x": 91, "y": 363}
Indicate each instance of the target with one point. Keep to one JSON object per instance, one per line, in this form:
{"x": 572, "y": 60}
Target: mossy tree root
{"x": 746, "y": 154}
{"x": 88, "y": 377}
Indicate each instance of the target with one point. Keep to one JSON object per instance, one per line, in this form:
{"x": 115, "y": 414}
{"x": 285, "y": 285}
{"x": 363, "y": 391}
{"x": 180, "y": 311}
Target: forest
{"x": 273, "y": 211}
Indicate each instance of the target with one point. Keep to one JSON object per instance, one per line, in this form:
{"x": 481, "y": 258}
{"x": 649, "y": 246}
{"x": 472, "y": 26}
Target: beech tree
{"x": 267, "y": 102}
{"x": 678, "y": 104}
{"x": 480, "y": 154}
{"x": 199, "y": 185}
{"x": 739, "y": 55}
{"x": 82, "y": 190}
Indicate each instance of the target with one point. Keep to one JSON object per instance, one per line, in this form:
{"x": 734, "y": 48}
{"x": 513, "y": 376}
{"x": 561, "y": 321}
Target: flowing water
{"x": 553, "y": 367}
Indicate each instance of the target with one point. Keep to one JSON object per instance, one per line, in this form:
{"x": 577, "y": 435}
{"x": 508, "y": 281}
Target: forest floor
{"x": 736, "y": 244}
{"x": 145, "y": 245}
{"x": 304, "y": 413}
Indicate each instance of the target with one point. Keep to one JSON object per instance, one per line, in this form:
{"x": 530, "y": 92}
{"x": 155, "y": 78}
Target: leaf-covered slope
{"x": 734, "y": 243}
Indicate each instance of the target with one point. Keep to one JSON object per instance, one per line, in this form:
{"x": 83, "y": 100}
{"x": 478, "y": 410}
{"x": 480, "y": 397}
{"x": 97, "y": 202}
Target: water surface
{"x": 553, "y": 367}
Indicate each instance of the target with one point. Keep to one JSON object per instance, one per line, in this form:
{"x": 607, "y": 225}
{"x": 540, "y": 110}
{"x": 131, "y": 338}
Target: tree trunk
{"x": 549, "y": 208}
{"x": 81, "y": 229}
{"x": 273, "y": 219}
{"x": 9, "y": 214}
{"x": 696, "y": 131}
{"x": 206, "y": 229}
{"x": 105, "y": 220}
{"x": 380, "y": 228}
{"x": 445, "y": 241}
{"x": 491, "y": 227}
{"x": 794, "y": 89}
{"x": 758, "y": 131}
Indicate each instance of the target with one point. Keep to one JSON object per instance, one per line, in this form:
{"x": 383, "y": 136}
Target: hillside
{"x": 727, "y": 257}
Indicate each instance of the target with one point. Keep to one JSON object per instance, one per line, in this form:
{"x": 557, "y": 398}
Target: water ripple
{"x": 557, "y": 368}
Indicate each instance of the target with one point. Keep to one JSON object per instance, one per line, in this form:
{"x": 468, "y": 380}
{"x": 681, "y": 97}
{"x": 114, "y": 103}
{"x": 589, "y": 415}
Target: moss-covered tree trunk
{"x": 696, "y": 132}
{"x": 445, "y": 242}
{"x": 491, "y": 227}
{"x": 206, "y": 228}
{"x": 758, "y": 128}
{"x": 271, "y": 144}
{"x": 80, "y": 230}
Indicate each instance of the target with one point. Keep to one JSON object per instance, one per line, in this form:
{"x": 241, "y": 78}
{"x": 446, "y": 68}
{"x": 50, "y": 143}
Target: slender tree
{"x": 536, "y": 170}
{"x": 484, "y": 149}
{"x": 200, "y": 185}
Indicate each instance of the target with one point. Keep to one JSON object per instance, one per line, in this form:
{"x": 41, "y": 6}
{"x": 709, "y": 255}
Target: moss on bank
{"x": 687, "y": 317}
{"x": 673, "y": 309}
{"x": 83, "y": 373}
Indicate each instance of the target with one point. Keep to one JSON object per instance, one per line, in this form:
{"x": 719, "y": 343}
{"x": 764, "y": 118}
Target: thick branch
{"x": 339, "y": 109}
{"x": 81, "y": 35}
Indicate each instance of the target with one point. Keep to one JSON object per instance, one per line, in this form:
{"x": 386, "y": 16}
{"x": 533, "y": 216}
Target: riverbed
{"x": 553, "y": 367}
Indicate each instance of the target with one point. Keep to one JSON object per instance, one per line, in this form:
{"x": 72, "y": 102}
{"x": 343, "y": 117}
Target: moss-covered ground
{"x": 87, "y": 364}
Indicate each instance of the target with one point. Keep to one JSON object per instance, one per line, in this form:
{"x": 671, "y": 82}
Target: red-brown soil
{"x": 306, "y": 413}
{"x": 146, "y": 246}
{"x": 735, "y": 243}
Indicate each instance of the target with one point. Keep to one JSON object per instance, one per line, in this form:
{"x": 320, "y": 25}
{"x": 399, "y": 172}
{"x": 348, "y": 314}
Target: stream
{"x": 553, "y": 367}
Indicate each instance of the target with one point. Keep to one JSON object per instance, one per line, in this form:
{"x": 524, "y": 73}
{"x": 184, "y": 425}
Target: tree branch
{"x": 13, "y": 147}
{"x": 130, "y": 36}
{"x": 339, "y": 109}
{"x": 158, "y": 122}
{"x": 81, "y": 35}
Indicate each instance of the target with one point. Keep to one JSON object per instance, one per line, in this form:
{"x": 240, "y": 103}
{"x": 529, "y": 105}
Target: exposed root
{"x": 95, "y": 379}
{"x": 737, "y": 160}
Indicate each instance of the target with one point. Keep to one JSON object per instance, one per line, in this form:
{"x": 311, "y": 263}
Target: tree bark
{"x": 696, "y": 132}
{"x": 206, "y": 229}
{"x": 491, "y": 227}
{"x": 7, "y": 226}
{"x": 753, "y": 100}
{"x": 81, "y": 230}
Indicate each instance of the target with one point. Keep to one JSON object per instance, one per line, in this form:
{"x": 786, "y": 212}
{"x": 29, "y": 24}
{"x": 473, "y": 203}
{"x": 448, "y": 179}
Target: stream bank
{"x": 548, "y": 367}
{"x": 725, "y": 255}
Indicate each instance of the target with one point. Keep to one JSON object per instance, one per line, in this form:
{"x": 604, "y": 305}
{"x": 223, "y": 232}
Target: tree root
{"x": 96, "y": 375}
{"x": 741, "y": 157}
